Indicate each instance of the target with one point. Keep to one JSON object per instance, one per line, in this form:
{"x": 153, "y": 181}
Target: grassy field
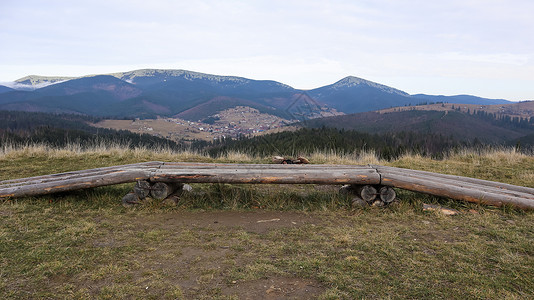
{"x": 261, "y": 242}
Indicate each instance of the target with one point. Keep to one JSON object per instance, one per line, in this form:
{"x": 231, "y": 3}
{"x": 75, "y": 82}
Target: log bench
{"x": 369, "y": 183}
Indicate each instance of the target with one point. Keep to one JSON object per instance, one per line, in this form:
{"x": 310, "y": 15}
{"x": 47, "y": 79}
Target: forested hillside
{"x": 389, "y": 143}
{"x": 463, "y": 126}
{"x": 332, "y": 140}
{"x": 63, "y": 129}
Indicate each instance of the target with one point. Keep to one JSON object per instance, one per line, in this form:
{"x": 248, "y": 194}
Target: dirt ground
{"x": 200, "y": 265}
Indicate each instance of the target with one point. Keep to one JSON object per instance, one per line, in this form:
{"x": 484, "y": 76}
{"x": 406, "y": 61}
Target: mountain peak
{"x": 352, "y": 81}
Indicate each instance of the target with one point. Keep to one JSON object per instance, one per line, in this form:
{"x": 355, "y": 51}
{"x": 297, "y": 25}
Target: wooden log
{"x": 387, "y": 194}
{"x": 73, "y": 184}
{"x": 469, "y": 183}
{"x": 175, "y": 196}
{"x": 61, "y": 178}
{"x": 80, "y": 173}
{"x": 271, "y": 176}
{"x": 453, "y": 191}
{"x": 526, "y": 191}
{"x": 455, "y": 187}
{"x": 346, "y": 189}
{"x": 142, "y": 189}
{"x": 211, "y": 166}
{"x": 161, "y": 190}
{"x": 366, "y": 192}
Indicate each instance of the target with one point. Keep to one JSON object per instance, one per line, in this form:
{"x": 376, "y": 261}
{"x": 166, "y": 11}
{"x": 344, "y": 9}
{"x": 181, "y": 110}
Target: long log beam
{"x": 455, "y": 187}
{"x": 72, "y": 184}
{"x": 273, "y": 174}
{"x": 458, "y": 187}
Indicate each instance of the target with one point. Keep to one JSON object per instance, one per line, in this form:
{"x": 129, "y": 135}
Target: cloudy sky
{"x": 479, "y": 47}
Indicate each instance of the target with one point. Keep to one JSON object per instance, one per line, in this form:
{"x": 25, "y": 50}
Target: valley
{"x": 230, "y": 123}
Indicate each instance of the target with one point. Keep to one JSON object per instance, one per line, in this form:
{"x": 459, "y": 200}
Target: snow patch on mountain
{"x": 352, "y": 81}
{"x": 29, "y": 86}
{"x": 188, "y": 75}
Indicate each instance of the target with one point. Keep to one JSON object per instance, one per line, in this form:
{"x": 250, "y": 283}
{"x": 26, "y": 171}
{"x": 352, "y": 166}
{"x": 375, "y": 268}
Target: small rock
{"x": 130, "y": 199}
{"x": 510, "y": 222}
{"x": 378, "y": 203}
{"x": 187, "y": 188}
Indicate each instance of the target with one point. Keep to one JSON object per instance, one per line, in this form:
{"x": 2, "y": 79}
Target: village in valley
{"x": 230, "y": 123}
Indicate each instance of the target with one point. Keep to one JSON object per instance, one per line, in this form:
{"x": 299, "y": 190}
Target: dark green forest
{"x": 485, "y": 127}
{"x": 308, "y": 140}
{"x": 58, "y": 130}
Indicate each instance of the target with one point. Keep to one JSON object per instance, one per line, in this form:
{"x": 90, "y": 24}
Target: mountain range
{"x": 191, "y": 95}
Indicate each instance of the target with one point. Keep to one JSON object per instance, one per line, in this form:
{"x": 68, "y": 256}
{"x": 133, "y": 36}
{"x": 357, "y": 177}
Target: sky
{"x": 447, "y": 47}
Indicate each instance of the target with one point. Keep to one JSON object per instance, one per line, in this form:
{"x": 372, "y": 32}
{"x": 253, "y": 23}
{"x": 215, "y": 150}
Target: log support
{"x": 374, "y": 195}
{"x": 155, "y": 190}
{"x": 372, "y": 184}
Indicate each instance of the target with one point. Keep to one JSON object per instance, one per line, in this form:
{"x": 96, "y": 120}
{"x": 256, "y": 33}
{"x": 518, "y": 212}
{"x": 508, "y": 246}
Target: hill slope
{"x": 5, "y": 89}
{"x": 464, "y": 99}
{"x": 461, "y": 126}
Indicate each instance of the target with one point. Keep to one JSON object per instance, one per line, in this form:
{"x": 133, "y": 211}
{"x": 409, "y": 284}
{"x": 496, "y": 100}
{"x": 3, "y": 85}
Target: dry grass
{"x": 504, "y": 165}
{"x": 235, "y": 241}
{"x": 119, "y": 151}
{"x": 332, "y": 157}
{"x": 125, "y": 153}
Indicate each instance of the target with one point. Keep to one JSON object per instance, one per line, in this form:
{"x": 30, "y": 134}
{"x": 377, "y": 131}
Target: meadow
{"x": 261, "y": 241}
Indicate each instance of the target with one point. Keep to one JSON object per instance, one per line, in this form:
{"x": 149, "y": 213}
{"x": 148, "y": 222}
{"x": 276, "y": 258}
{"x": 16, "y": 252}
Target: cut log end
{"x": 367, "y": 193}
{"x": 387, "y": 194}
{"x": 174, "y": 198}
{"x": 161, "y": 190}
{"x": 142, "y": 189}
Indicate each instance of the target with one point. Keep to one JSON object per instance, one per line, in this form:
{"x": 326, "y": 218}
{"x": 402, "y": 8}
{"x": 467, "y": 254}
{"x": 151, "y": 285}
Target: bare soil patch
{"x": 276, "y": 288}
{"x": 250, "y": 221}
{"x": 198, "y": 254}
